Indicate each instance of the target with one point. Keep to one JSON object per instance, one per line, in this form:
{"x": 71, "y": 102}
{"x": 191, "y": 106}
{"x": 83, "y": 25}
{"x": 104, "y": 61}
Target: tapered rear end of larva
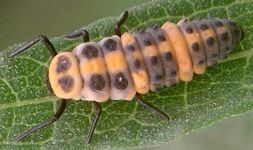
{"x": 167, "y": 54}
{"x": 122, "y": 86}
{"x": 223, "y": 35}
{"x": 135, "y": 62}
{"x": 181, "y": 50}
{"x": 195, "y": 45}
{"x": 152, "y": 60}
{"x": 209, "y": 40}
{"x": 93, "y": 71}
{"x": 236, "y": 31}
{"x": 64, "y": 76}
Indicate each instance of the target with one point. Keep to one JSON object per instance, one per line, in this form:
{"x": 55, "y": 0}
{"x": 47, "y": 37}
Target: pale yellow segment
{"x": 199, "y": 69}
{"x": 150, "y": 51}
{"x": 141, "y": 81}
{"x": 73, "y": 71}
{"x": 165, "y": 47}
{"x": 181, "y": 51}
{"x": 93, "y": 66}
{"x": 127, "y": 38}
{"x": 115, "y": 61}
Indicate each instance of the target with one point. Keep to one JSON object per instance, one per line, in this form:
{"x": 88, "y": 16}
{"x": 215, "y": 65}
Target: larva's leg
{"x": 98, "y": 108}
{"x": 45, "y": 123}
{"x": 35, "y": 40}
{"x": 151, "y": 108}
{"x": 76, "y": 34}
{"x": 122, "y": 19}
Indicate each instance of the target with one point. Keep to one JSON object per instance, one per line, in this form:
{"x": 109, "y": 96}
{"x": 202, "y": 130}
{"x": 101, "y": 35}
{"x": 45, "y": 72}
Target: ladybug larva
{"x": 126, "y": 66}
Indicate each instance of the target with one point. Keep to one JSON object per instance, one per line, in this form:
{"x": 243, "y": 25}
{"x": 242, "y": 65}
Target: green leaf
{"x": 224, "y": 90}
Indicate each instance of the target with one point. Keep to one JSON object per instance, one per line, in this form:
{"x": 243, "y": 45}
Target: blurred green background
{"x": 22, "y": 20}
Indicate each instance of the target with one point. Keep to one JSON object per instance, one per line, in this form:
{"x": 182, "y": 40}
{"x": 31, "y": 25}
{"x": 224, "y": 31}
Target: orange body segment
{"x": 181, "y": 51}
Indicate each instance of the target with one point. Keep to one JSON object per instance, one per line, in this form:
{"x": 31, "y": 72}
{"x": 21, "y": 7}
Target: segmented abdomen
{"x": 118, "y": 68}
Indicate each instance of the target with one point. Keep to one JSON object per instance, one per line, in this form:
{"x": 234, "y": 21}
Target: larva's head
{"x": 63, "y": 76}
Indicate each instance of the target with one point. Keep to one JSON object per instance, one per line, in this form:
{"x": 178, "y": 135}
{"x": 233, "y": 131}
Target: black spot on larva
{"x": 63, "y": 64}
{"x": 137, "y": 64}
{"x": 66, "y": 83}
{"x": 90, "y": 52}
{"x": 173, "y": 73}
{"x": 161, "y": 38}
{"x": 154, "y": 60}
{"x": 158, "y": 89}
{"x": 130, "y": 48}
{"x": 224, "y": 36}
{"x": 210, "y": 41}
{"x": 214, "y": 55}
{"x": 195, "y": 47}
{"x": 204, "y": 26}
{"x": 201, "y": 62}
{"x": 146, "y": 42}
{"x": 110, "y": 45}
{"x": 189, "y": 30}
{"x": 158, "y": 77}
{"x": 218, "y": 23}
{"x": 168, "y": 56}
{"x": 97, "y": 82}
{"x": 120, "y": 82}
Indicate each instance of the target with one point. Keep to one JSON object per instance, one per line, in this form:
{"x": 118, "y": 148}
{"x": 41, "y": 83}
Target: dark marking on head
{"x": 120, "y": 82}
{"x": 137, "y": 64}
{"x": 130, "y": 47}
{"x": 210, "y": 41}
{"x": 168, "y": 56}
{"x": 204, "y": 26}
{"x": 154, "y": 60}
{"x": 224, "y": 36}
{"x": 66, "y": 83}
{"x": 97, "y": 82}
{"x": 218, "y": 23}
{"x": 158, "y": 77}
{"x": 110, "y": 45}
{"x": 147, "y": 42}
{"x": 161, "y": 38}
{"x": 201, "y": 62}
{"x": 63, "y": 64}
{"x": 90, "y": 52}
{"x": 195, "y": 47}
{"x": 189, "y": 30}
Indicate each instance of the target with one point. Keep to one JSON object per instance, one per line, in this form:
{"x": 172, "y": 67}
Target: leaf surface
{"x": 224, "y": 90}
